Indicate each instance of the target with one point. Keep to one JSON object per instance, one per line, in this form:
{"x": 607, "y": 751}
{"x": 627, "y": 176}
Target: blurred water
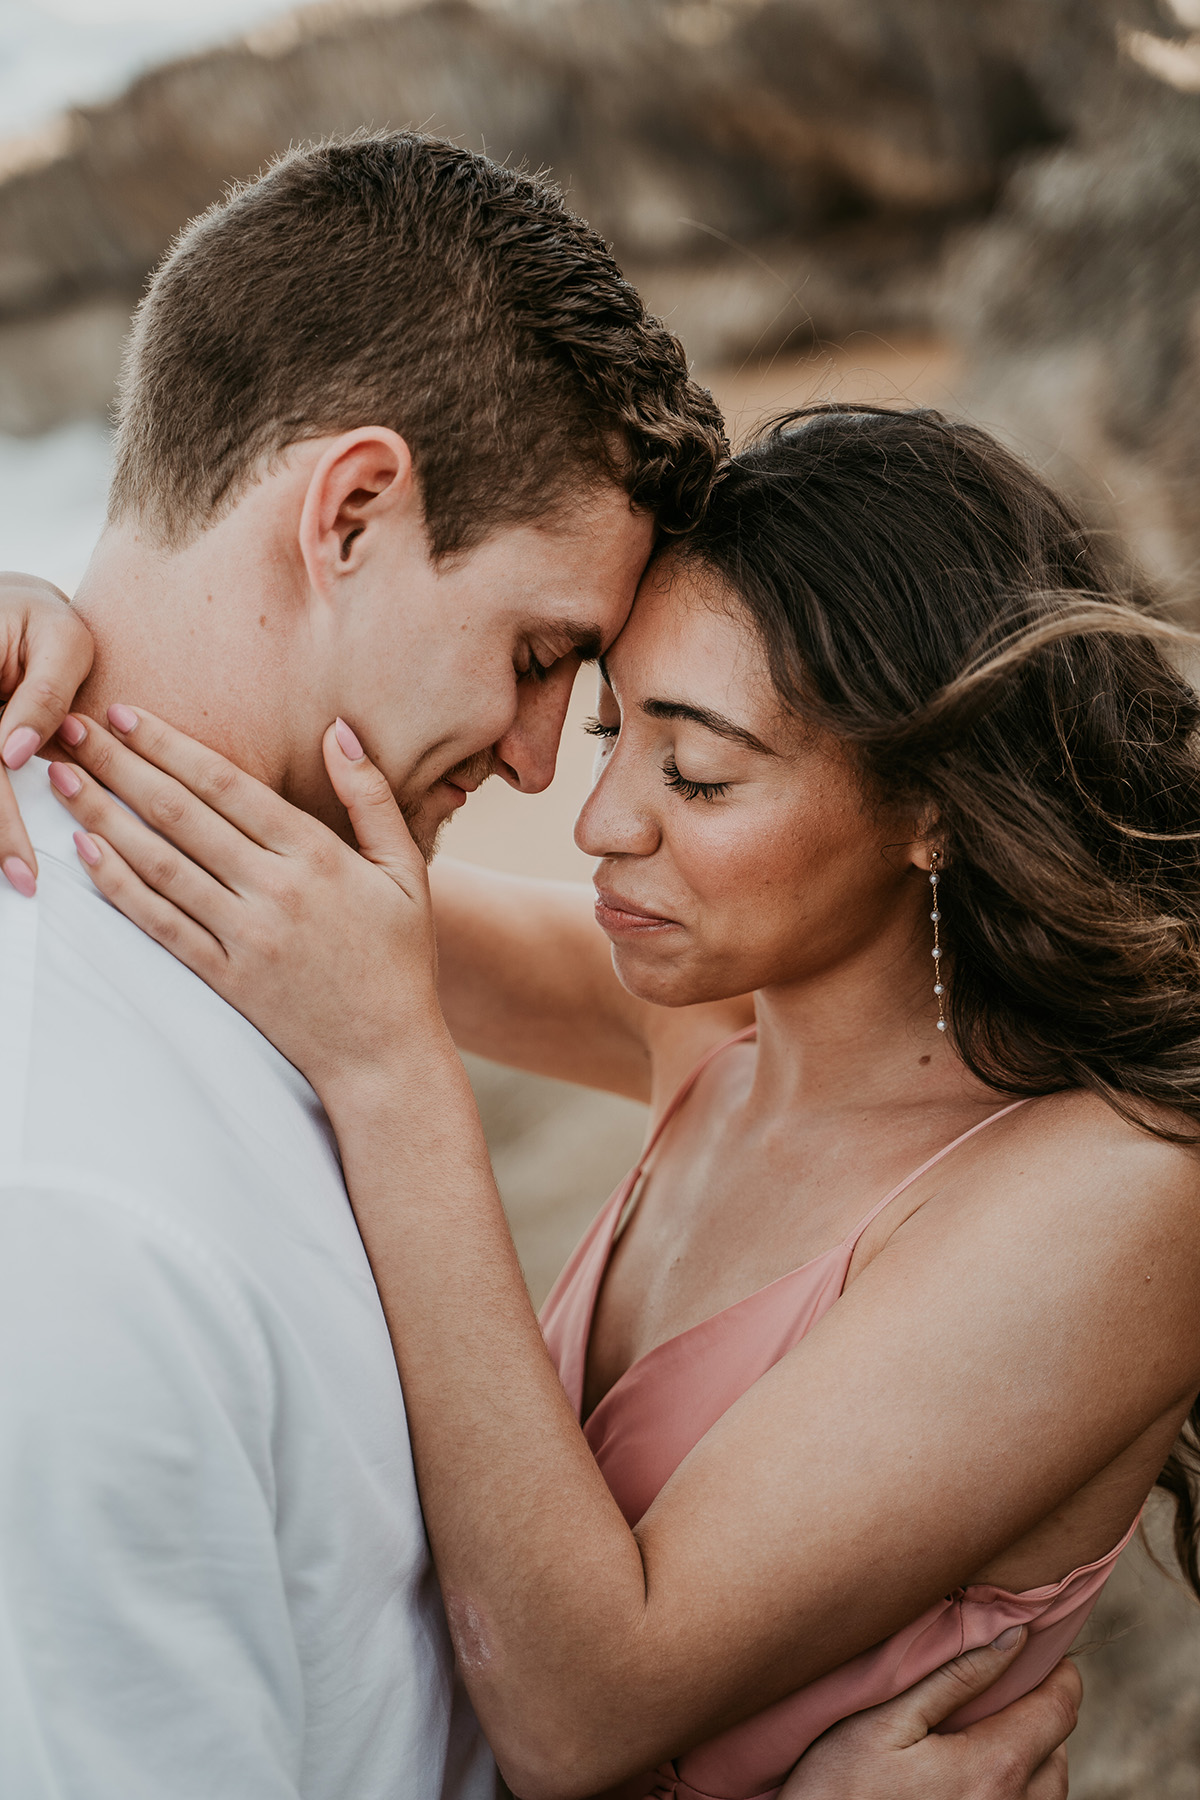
{"x": 52, "y": 495}
{"x": 55, "y": 52}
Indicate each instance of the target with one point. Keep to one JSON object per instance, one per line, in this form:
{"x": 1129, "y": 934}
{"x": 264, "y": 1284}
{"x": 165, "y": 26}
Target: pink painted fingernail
{"x": 19, "y": 746}
{"x": 87, "y": 848}
{"x": 122, "y": 718}
{"x": 351, "y": 748}
{"x": 19, "y": 875}
{"x": 72, "y": 731}
{"x": 64, "y": 778}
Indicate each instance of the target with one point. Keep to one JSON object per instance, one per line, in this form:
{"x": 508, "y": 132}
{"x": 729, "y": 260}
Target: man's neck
{"x": 196, "y": 636}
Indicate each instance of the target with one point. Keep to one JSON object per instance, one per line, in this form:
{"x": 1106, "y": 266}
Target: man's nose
{"x": 527, "y": 753}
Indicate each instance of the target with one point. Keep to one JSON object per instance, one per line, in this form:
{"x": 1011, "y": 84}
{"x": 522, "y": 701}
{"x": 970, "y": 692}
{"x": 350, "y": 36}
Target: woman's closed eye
{"x": 677, "y": 782}
{"x": 692, "y": 790}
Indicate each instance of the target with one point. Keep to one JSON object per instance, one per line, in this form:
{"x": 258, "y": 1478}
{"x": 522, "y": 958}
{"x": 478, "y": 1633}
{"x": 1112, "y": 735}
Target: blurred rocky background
{"x": 1014, "y": 178}
{"x": 988, "y": 205}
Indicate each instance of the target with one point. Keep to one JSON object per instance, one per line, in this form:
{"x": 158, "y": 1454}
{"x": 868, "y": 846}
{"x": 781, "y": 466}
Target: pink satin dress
{"x": 663, "y": 1405}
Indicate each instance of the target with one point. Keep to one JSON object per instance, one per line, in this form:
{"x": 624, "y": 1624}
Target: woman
{"x": 882, "y": 1345}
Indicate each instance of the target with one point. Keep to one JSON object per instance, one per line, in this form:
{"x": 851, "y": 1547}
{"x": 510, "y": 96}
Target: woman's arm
{"x": 45, "y": 653}
{"x": 525, "y": 977}
{"x": 973, "y": 1378}
{"x": 994, "y": 1358}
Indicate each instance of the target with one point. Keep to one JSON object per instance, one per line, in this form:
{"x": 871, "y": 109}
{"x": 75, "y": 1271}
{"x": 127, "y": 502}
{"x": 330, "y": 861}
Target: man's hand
{"x": 45, "y": 653}
{"x": 893, "y": 1753}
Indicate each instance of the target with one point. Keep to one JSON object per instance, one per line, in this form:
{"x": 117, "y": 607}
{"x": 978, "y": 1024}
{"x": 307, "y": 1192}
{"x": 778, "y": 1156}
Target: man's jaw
{"x": 427, "y": 816}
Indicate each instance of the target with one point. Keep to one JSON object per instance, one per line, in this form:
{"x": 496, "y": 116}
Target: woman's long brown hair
{"x": 926, "y": 596}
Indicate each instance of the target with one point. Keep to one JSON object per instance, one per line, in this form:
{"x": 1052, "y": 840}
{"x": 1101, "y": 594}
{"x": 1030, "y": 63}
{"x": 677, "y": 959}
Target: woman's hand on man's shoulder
{"x": 45, "y": 654}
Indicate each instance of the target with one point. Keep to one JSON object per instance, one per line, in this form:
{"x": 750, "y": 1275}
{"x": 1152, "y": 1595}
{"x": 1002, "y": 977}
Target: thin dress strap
{"x": 928, "y": 1164}
{"x": 682, "y": 1092}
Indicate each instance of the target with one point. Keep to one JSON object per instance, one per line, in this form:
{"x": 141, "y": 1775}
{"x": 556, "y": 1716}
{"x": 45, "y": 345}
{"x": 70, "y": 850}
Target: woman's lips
{"x": 620, "y": 917}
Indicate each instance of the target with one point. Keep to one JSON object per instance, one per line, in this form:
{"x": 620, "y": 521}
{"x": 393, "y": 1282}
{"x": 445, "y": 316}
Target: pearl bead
{"x": 941, "y": 1024}
{"x": 935, "y": 952}
{"x": 935, "y": 916}
{"x": 938, "y": 988}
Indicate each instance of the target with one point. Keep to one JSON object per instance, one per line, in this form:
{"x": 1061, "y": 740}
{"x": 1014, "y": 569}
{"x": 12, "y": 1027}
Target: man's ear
{"x": 362, "y": 477}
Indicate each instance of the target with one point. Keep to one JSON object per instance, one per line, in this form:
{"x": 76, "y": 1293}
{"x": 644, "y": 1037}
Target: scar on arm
{"x": 467, "y": 1633}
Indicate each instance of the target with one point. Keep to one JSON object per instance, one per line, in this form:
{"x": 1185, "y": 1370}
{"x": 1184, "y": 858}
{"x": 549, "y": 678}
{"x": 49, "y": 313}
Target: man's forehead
{"x": 604, "y": 521}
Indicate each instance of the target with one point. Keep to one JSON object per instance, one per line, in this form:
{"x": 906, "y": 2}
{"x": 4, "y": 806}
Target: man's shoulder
{"x": 117, "y": 1060}
{"x": 99, "y": 1285}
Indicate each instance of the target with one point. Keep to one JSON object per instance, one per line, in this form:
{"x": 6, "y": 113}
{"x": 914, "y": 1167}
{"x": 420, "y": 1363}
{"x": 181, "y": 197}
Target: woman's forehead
{"x": 692, "y": 643}
{"x": 686, "y": 614}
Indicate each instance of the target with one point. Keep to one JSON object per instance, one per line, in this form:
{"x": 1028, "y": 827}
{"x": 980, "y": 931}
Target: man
{"x": 395, "y": 439}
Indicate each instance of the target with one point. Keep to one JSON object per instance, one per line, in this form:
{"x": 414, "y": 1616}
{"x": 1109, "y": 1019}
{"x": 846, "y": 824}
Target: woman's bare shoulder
{"x": 1081, "y": 1132}
{"x": 1071, "y": 1183}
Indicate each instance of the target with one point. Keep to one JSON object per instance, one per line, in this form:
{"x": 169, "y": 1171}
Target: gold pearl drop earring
{"x": 939, "y": 985}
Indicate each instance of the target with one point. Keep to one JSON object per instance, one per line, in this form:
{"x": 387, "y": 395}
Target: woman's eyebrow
{"x": 711, "y": 721}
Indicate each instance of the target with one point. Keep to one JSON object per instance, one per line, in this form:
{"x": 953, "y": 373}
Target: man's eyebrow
{"x": 582, "y": 640}
{"x": 711, "y": 721}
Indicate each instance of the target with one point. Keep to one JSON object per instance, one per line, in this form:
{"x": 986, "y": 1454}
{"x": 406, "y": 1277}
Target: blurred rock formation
{"x": 1139, "y": 1732}
{"x": 1019, "y": 175}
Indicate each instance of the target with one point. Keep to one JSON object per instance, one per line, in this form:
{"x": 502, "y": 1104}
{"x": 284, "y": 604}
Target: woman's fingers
{"x": 156, "y": 863}
{"x": 189, "y": 942}
{"x": 45, "y": 653}
{"x": 125, "y": 759}
{"x": 166, "y": 805}
{"x": 17, "y": 860}
{"x": 379, "y": 827}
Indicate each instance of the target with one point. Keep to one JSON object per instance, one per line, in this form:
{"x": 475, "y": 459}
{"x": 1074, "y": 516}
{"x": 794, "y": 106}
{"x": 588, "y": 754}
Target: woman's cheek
{"x": 747, "y": 877}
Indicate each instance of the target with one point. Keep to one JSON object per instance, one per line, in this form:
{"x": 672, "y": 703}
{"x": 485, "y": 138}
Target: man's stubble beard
{"x": 475, "y": 770}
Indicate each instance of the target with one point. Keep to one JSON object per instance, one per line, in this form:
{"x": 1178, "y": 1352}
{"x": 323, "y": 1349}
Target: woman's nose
{"x": 615, "y": 820}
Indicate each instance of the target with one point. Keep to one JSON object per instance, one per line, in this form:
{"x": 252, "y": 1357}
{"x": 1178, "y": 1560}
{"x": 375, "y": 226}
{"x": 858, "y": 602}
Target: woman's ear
{"x": 927, "y": 837}
{"x": 363, "y": 478}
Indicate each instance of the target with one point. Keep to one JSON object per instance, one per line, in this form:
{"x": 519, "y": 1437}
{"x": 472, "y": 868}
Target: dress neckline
{"x": 845, "y": 1248}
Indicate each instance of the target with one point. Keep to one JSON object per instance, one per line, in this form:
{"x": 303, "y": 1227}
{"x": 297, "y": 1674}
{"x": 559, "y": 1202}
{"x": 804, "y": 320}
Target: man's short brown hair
{"x": 397, "y": 279}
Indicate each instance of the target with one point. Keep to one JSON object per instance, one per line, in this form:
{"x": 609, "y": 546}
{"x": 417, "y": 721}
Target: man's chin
{"x": 425, "y": 828}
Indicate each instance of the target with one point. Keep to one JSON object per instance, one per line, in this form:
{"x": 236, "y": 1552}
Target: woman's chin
{"x": 659, "y": 984}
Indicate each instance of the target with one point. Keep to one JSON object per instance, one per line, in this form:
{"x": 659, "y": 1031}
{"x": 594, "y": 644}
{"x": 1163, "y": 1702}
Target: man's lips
{"x": 456, "y": 788}
{"x": 615, "y": 914}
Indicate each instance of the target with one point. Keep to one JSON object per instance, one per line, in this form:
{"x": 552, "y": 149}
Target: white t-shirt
{"x": 214, "y": 1578}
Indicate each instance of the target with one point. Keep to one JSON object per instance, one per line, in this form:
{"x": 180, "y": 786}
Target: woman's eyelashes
{"x": 692, "y": 790}
{"x": 679, "y": 784}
